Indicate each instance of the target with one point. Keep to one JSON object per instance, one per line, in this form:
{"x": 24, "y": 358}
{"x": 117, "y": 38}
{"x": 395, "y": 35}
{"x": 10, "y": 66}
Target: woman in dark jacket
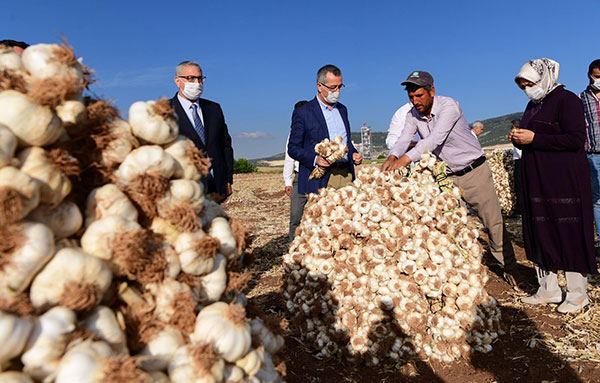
{"x": 557, "y": 199}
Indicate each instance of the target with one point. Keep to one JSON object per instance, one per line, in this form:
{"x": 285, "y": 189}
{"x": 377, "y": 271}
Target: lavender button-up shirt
{"x": 446, "y": 134}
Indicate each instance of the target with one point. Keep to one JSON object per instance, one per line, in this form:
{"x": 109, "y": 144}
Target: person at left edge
{"x": 202, "y": 121}
{"x": 323, "y": 117}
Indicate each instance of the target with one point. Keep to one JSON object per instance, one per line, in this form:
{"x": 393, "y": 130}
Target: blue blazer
{"x": 308, "y": 129}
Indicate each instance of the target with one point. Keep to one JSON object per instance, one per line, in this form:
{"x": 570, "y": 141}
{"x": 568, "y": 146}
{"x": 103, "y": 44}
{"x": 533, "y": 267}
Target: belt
{"x": 470, "y": 167}
{"x": 340, "y": 165}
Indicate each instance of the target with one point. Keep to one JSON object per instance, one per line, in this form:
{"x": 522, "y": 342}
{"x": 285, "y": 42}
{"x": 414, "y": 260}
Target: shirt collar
{"x": 434, "y": 110}
{"x": 591, "y": 91}
{"x": 185, "y": 103}
{"x": 325, "y": 106}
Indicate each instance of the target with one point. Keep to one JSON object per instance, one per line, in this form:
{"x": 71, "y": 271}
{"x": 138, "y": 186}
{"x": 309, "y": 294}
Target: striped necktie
{"x": 198, "y": 127}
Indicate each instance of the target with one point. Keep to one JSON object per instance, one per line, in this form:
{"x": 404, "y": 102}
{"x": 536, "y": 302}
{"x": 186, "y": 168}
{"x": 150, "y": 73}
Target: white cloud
{"x": 254, "y": 135}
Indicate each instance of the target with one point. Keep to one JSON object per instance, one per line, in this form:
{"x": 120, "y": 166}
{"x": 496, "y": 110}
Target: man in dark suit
{"x": 323, "y": 117}
{"x": 202, "y": 121}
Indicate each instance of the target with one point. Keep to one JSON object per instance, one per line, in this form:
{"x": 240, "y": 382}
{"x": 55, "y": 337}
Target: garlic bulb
{"x": 51, "y": 60}
{"x": 263, "y": 336}
{"x": 9, "y": 59}
{"x": 161, "y": 348}
{"x": 103, "y": 322}
{"x": 233, "y": 374}
{"x": 331, "y": 151}
{"x": 14, "y": 377}
{"x": 146, "y": 159}
{"x": 47, "y": 342}
{"x": 54, "y": 184}
{"x": 14, "y": 331}
{"x": 31, "y": 123}
{"x": 71, "y": 113}
{"x": 30, "y": 246}
{"x": 175, "y": 304}
{"x": 250, "y": 363}
{"x": 153, "y": 121}
{"x": 8, "y": 145}
{"x": 267, "y": 372}
{"x": 221, "y": 230}
{"x": 64, "y": 220}
{"x": 19, "y": 194}
{"x": 99, "y": 236}
{"x": 83, "y": 282}
{"x": 224, "y": 325}
{"x": 166, "y": 229}
{"x": 196, "y": 252}
{"x": 210, "y": 211}
{"x": 193, "y": 164}
{"x": 502, "y": 166}
{"x": 182, "y": 204}
{"x": 109, "y": 200}
{"x": 215, "y": 282}
{"x": 197, "y": 363}
{"x": 120, "y": 142}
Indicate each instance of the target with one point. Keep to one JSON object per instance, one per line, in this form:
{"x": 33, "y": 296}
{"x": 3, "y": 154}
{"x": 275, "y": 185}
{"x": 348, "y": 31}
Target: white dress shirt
{"x": 397, "y": 125}
{"x": 187, "y": 107}
{"x": 289, "y": 166}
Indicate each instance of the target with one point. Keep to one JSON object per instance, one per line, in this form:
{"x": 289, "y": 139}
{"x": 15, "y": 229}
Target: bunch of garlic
{"x": 388, "y": 267}
{"x": 331, "y": 151}
{"x": 130, "y": 294}
{"x": 502, "y": 165}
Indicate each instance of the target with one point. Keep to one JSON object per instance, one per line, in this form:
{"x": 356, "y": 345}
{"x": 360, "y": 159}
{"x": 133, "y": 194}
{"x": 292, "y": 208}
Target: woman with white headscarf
{"x": 557, "y": 199}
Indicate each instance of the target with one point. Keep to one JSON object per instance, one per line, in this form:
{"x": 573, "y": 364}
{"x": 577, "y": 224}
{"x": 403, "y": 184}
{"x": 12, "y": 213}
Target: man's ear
{"x": 432, "y": 92}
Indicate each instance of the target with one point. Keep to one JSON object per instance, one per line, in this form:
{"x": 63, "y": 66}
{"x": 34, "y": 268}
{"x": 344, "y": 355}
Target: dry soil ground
{"x": 540, "y": 345}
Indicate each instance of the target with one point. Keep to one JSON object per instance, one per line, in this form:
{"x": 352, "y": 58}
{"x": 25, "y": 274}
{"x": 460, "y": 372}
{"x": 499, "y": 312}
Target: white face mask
{"x": 192, "y": 90}
{"x": 333, "y": 97}
{"x": 596, "y": 84}
{"x": 535, "y": 93}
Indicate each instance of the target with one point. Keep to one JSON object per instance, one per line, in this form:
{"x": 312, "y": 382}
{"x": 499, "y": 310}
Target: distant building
{"x": 365, "y": 136}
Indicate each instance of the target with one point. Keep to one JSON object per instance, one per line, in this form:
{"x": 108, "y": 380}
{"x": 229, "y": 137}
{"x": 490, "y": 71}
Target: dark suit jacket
{"x": 218, "y": 141}
{"x": 308, "y": 129}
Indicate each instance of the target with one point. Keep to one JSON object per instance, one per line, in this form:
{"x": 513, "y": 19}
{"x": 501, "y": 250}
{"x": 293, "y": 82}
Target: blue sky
{"x": 260, "y": 57}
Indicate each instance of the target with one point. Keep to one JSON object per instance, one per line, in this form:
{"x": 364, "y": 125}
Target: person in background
{"x": 591, "y": 107}
{"x": 397, "y": 125}
{"x": 290, "y": 180}
{"x": 517, "y": 153}
{"x": 17, "y": 46}
{"x": 558, "y": 227}
{"x": 202, "y": 121}
{"x": 322, "y": 117}
{"x": 477, "y": 128}
{"x": 446, "y": 133}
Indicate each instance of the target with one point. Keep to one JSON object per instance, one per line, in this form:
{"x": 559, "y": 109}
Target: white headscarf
{"x": 542, "y": 72}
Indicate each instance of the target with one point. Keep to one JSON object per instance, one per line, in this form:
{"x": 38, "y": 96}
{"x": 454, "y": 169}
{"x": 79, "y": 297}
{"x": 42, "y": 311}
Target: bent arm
{"x": 295, "y": 148}
{"x": 572, "y": 125}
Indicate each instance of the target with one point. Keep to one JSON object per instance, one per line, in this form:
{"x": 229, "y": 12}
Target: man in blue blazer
{"x": 202, "y": 121}
{"x": 323, "y": 117}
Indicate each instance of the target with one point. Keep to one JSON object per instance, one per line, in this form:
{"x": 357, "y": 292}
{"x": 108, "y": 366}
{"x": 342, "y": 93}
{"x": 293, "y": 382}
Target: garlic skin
{"x": 149, "y": 126}
{"x": 123, "y": 143}
{"x": 99, "y": 236}
{"x": 64, "y": 220}
{"x": 250, "y": 363}
{"x": 71, "y": 112}
{"x": 109, "y": 200}
{"x": 14, "y": 332}
{"x": 27, "y": 187}
{"x": 31, "y": 123}
{"x": 14, "y": 377}
{"x": 25, "y": 262}
{"x": 103, "y": 322}
{"x": 193, "y": 262}
{"x": 75, "y": 267}
{"x": 215, "y": 282}
{"x": 221, "y": 230}
{"x": 179, "y": 149}
{"x": 9, "y": 59}
{"x": 184, "y": 368}
{"x": 47, "y": 342}
{"x": 160, "y": 350}
{"x": 184, "y": 191}
{"x": 225, "y": 326}
{"x": 8, "y": 145}
{"x": 82, "y": 363}
{"x": 165, "y": 228}
{"x": 41, "y": 62}
{"x": 210, "y": 211}
{"x": 54, "y": 185}
{"x": 263, "y": 336}
{"x": 165, "y": 295}
{"x": 145, "y": 159}
{"x": 233, "y": 374}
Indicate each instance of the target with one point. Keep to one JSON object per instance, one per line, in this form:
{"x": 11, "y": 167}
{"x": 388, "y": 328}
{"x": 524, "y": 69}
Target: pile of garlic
{"x": 331, "y": 151}
{"x": 114, "y": 265}
{"x": 502, "y": 165}
{"x": 388, "y": 268}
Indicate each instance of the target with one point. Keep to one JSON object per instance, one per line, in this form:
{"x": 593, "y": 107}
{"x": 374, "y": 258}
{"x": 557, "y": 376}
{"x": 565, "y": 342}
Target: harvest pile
{"x": 331, "y": 151}
{"x": 502, "y": 165}
{"x": 114, "y": 266}
{"x": 387, "y": 268}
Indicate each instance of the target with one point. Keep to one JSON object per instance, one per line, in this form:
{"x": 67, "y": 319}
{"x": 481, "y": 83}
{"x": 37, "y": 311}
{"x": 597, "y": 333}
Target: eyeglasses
{"x": 333, "y": 87}
{"x": 192, "y": 78}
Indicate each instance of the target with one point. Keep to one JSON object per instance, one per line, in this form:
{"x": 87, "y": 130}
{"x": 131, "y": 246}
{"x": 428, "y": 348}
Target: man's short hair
{"x": 14, "y": 43}
{"x": 181, "y": 65}
{"x": 413, "y": 87}
{"x": 322, "y": 73}
{"x": 476, "y": 124}
{"x": 594, "y": 65}
{"x": 515, "y": 123}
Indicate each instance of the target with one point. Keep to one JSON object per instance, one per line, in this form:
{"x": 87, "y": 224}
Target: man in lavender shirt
{"x": 445, "y": 132}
